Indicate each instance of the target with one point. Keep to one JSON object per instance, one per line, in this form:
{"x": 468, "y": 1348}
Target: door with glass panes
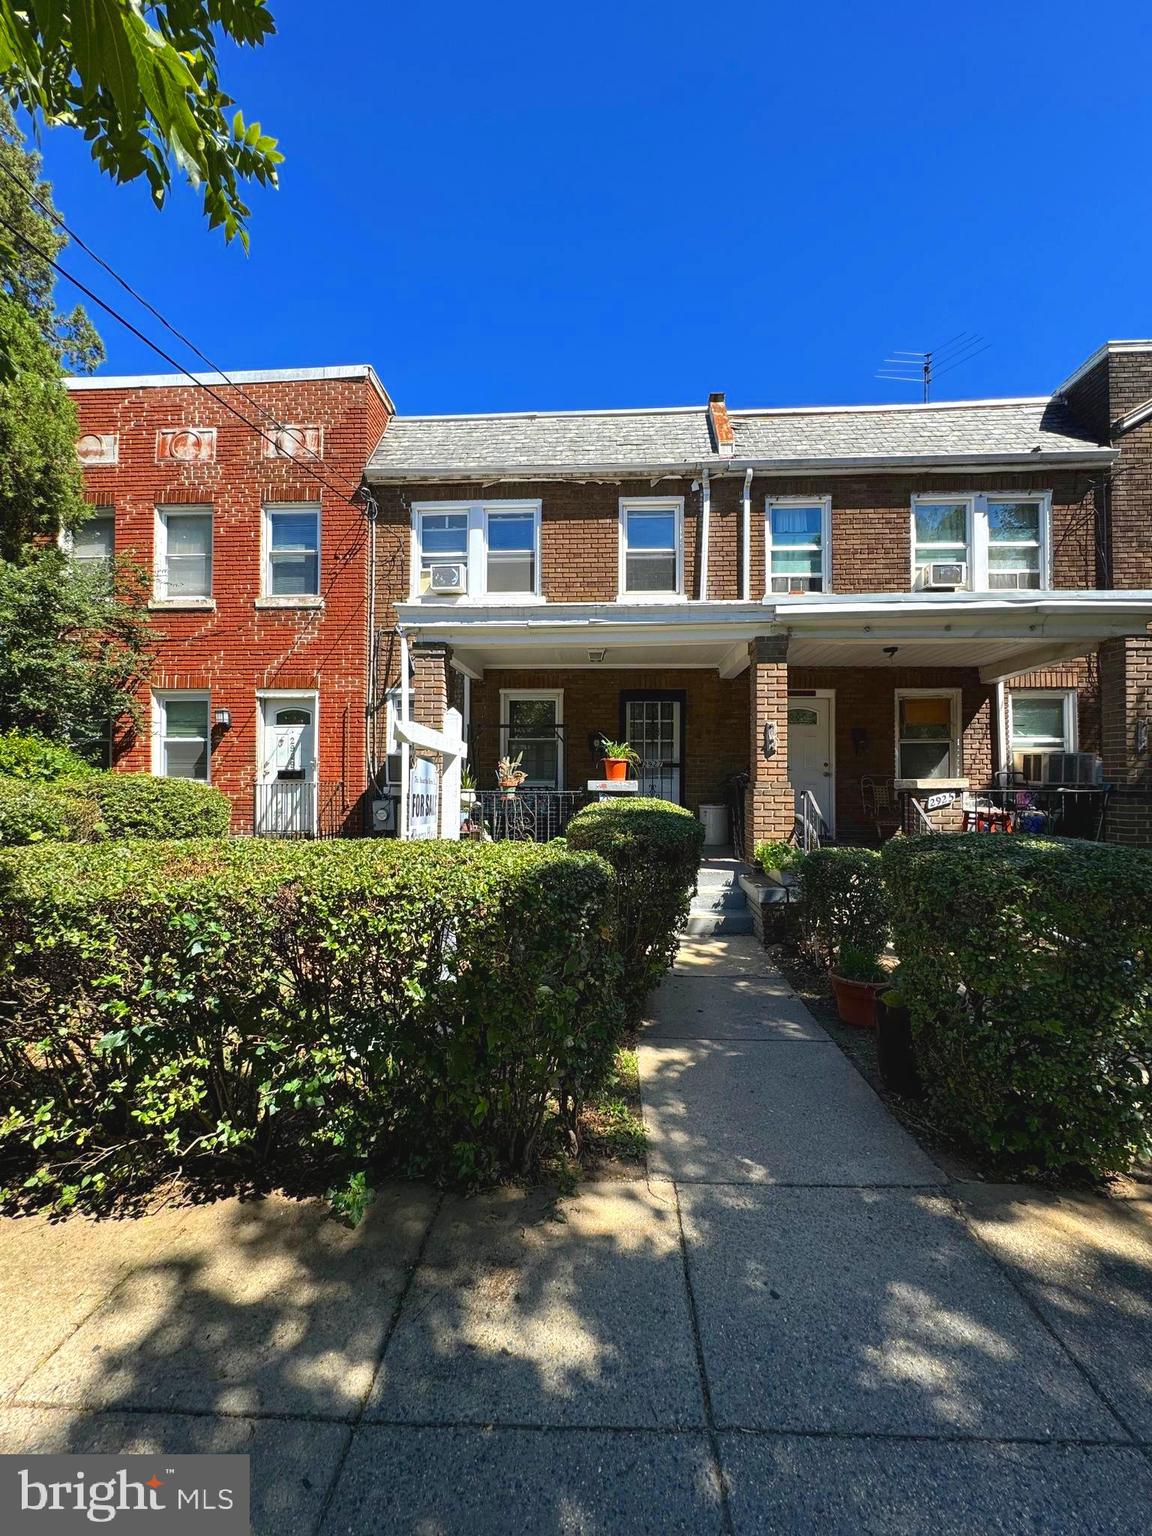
{"x": 286, "y": 791}
{"x": 653, "y": 724}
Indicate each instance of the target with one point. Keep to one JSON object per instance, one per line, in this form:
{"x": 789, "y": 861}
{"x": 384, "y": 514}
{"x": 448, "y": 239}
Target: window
{"x": 1041, "y": 721}
{"x": 292, "y": 551}
{"x": 927, "y": 735}
{"x": 183, "y": 552}
{"x": 798, "y": 542}
{"x": 1001, "y": 540}
{"x": 392, "y": 754}
{"x": 651, "y": 548}
{"x": 488, "y": 550}
{"x": 531, "y": 723}
{"x": 181, "y": 743}
{"x": 94, "y": 541}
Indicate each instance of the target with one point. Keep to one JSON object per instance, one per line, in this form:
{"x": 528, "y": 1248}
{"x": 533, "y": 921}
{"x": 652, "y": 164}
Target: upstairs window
{"x": 94, "y": 541}
{"x": 183, "y": 552}
{"x": 651, "y": 548}
{"x": 477, "y": 550}
{"x": 181, "y": 741}
{"x": 292, "y": 551}
{"x": 984, "y": 542}
{"x": 798, "y": 543}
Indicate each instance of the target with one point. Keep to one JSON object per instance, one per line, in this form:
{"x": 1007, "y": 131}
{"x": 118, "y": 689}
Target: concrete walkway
{"x": 795, "y": 1325}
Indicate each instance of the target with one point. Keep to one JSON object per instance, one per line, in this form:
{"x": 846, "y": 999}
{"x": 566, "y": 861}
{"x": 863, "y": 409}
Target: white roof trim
{"x": 919, "y": 405}
{"x": 633, "y": 410}
{"x": 220, "y": 381}
{"x": 1098, "y": 356}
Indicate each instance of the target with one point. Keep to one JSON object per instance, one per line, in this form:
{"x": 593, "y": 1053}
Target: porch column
{"x": 430, "y": 659}
{"x": 1126, "y": 738}
{"x": 770, "y": 805}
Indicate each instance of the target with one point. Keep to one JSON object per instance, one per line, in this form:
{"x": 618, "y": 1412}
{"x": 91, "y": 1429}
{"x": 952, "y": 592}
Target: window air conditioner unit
{"x": 1030, "y": 766}
{"x": 447, "y": 578}
{"x": 1074, "y": 770}
{"x": 945, "y": 574}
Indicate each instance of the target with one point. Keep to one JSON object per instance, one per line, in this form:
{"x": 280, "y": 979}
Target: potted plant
{"x": 857, "y": 979}
{"x": 894, "y": 1053}
{"x": 509, "y": 774}
{"x": 619, "y": 756}
{"x": 780, "y": 861}
{"x": 467, "y": 788}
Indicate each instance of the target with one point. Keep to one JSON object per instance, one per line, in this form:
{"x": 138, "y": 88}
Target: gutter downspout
{"x": 1002, "y": 741}
{"x": 405, "y": 748}
{"x": 705, "y": 518}
{"x": 746, "y": 538}
{"x": 370, "y": 701}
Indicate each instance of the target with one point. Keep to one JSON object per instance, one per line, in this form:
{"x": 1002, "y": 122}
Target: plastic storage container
{"x": 715, "y": 819}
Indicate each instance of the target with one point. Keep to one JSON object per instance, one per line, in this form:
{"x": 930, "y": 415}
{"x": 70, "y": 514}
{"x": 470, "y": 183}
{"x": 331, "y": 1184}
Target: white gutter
{"x": 705, "y": 518}
{"x": 1003, "y": 742}
{"x": 746, "y": 539}
{"x": 405, "y": 749}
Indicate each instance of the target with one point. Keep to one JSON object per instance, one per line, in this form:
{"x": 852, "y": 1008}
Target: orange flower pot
{"x": 856, "y": 1000}
{"x": 615, "y": 768}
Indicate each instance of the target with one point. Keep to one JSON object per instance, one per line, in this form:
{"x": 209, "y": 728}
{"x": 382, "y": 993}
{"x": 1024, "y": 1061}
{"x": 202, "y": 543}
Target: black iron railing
{"x": 526, "y": 815}
{"x": 299, "y": 808}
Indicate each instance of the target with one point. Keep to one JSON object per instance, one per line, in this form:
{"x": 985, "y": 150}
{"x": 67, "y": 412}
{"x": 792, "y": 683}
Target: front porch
{"x": 852, "y": 708}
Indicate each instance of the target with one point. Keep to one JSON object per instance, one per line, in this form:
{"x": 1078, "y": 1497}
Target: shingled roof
{"x": 607, "y": 442}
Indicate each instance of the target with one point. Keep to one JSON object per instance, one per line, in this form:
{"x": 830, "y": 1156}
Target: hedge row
{"x": 108, "y": 805}
{"x": 654, "y": 848}
{"x": 28, "y": 755}
{"x": 1027, "y": 966}
{"x": 844, "y": 906}
{"x": 295, "y": 1004}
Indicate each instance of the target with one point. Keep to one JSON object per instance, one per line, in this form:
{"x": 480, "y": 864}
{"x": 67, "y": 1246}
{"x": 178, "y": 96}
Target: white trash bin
{"x": 715, "y": 819}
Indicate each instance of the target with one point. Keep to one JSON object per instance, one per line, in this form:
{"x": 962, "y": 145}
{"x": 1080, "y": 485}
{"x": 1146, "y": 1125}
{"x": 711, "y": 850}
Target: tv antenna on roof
{"x": 924, "y": 367}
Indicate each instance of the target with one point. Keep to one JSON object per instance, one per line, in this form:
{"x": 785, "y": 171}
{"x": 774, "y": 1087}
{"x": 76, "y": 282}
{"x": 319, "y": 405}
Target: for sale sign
{"x": 423, "y": 799}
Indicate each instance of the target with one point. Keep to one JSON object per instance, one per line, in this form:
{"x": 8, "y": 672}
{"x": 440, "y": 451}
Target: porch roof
{"x": 1000, "y": 633}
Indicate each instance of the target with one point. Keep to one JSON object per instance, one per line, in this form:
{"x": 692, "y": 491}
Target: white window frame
{"x": 160, "y": 701}
{"x": 533, "y": 695}
{"x": 289, "y": 599}
{"x": 977, "y": 540}
{"x": 476, "y": 586}
{"x": 674, "y": 504}
{"x": 165, "y": 511}
{"x": 825, "y": 505}
{"x": 1067, "y": 697}
{"x": 955, "y": 744}
{"x": 66, "y": 540}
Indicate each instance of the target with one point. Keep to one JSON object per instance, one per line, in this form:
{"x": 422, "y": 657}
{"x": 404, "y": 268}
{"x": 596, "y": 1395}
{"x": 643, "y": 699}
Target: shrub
{"x": 779, "y": 855}
{"x": 844, "y": 905}
{"x": 295, "y": 1005}
{"x": 654, "y": 847}
{"x": 1027, "y": 966}
{"x": 142, "y": 805}
{"x": 28, "y": 755}
{"x": 33, "y": 812}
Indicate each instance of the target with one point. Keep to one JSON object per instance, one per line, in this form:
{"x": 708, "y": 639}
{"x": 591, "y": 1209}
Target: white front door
{"x": 810, "y": 759}
{"x": 286, "y": 784}
{"x": 652, "y": 727}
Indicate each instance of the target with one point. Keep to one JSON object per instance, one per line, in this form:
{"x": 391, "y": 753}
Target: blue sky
{"x": 520, "y": 207}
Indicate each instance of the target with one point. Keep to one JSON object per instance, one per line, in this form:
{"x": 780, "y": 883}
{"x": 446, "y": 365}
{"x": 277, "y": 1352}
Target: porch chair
{"x": 880, "y": 805}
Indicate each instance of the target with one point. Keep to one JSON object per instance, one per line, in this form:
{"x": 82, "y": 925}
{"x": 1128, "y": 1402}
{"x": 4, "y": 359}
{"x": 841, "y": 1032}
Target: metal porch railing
{"x": 305, "y": 808}
{"x": 527, "y": 815}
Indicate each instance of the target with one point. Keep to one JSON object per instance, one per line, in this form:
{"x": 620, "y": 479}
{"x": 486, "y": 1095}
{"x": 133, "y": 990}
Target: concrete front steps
{"x": 719, "y": 905}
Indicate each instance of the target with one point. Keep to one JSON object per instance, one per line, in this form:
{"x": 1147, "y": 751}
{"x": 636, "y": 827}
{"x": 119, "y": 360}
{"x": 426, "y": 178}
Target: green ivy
{"x": 844, "y": 905}
{"x": 277, "y": 1004}
{"x": 654, "y": 848}
{"x": 1027, "y": 966}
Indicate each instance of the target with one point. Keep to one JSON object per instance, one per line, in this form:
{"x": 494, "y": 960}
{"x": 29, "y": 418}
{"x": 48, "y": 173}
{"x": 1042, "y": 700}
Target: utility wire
{"x": 356, "y": 500}
{"x": 79, "y": 241}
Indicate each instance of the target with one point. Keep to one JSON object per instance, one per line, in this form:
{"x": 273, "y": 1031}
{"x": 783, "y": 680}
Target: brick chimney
{"x": 723, "y": 437}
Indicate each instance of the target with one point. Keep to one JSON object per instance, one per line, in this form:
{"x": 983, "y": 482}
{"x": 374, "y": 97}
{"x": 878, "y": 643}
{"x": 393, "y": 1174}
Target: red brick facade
{"x": 238, "y": 645}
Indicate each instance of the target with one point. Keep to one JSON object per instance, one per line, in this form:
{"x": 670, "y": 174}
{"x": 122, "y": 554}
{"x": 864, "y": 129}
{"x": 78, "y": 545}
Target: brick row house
{"x": 850, "y": 610}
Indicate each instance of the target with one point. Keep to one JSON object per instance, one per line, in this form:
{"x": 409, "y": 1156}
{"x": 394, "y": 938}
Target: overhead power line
{"x": 360, "y": 495}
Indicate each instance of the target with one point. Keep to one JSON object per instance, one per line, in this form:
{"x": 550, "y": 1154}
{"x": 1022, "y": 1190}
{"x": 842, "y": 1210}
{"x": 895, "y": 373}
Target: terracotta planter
{"x": 615, "y": 768}
{"x": 856, "y": 1000}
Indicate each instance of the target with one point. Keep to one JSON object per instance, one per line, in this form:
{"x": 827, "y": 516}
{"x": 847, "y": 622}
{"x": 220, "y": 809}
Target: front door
{"x": 653, "y": 725}
{"x": 810, "y": 762}
{"x": 286, "y": 786}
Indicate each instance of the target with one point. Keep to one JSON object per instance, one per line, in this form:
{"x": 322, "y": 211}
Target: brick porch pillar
{"x": 770, "y": 805}
{"x": 430, "y": 682}
{"x": 1126, "y": 726}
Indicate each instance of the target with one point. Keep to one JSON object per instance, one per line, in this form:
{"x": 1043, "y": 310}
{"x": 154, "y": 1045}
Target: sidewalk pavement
{"x": 796, "y": 1325}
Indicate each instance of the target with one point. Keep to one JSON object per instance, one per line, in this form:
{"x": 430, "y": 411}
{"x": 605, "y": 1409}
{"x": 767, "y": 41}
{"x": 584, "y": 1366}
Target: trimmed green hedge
{"x": 654, "y": 847}
{"x": 109, "y": 805}
{"x": 1027, "y": 965}
{"x": 295, "y": 1005}
{"x": 28, "y": 755}
{"x": 844, "y": 902}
